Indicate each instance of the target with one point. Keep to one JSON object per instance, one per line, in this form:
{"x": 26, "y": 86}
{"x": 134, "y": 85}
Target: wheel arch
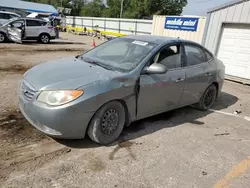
{"x": 44, "y": 33}
{"x": 217, "y": 87}
{"x": 127, "y": 117}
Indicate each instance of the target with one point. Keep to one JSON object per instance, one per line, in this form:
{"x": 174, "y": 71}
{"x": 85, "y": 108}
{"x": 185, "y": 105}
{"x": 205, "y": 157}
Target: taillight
{"x": 51, "y": 27}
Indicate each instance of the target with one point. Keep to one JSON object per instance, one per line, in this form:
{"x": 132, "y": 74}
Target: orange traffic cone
{"x": 93, "y": 43}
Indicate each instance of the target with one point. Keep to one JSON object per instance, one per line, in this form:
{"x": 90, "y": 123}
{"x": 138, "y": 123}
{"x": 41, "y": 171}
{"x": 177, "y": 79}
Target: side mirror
{"x": 155, "y": 69}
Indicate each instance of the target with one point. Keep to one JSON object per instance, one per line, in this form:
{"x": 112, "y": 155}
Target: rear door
{"x": 199, "y": 73}
{"x": 33, "y": 28}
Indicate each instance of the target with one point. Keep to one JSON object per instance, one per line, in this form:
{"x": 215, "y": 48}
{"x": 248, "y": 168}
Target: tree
{"x": 145, "y": 8}
{"x": 131, "y": 8}
{"x": 114, "y": 7}
{"x": 93, "y": 8}
{"x": 76, "y": 6}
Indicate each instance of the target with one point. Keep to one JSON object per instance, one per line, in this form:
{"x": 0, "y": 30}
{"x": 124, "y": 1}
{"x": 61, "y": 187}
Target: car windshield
{"x": 121, "y": 54}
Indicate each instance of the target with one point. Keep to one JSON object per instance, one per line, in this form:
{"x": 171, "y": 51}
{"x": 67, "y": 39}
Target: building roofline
{"x": 231, "y": 3}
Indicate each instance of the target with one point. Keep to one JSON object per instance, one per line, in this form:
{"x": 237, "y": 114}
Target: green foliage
{"x": 131, "y": 8}
{"x": 144, "y": 8}
{"x": 93, "y": 9}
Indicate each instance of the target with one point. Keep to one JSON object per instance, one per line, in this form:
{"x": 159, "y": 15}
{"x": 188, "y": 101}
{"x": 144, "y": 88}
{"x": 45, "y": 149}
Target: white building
{"x": 227, "y": 35}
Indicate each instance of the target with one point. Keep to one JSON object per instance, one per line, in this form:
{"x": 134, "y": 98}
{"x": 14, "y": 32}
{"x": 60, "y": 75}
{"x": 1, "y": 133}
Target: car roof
{"x": 158, "y": 39}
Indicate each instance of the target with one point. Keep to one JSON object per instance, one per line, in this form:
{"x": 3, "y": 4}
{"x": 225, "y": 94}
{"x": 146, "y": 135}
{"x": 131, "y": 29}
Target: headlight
{"x": 56, "y": 98}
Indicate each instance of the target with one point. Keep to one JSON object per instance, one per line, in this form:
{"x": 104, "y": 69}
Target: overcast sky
{"x": 200, "y": 7}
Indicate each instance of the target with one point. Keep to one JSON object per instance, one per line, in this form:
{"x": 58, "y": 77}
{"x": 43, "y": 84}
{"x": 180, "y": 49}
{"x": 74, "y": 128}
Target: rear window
{"x": 194, "y": 54}
{"x": 208, "y": 55}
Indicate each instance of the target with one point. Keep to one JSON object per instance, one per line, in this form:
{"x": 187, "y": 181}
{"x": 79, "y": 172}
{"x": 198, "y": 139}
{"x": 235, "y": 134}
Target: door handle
{"x": 208, "y": 74}
{"x": 179, "y": 80}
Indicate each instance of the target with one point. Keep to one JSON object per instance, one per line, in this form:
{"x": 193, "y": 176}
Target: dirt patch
{"x": 96, "y": 165}
{"x": 15, "y": 68}
{"x": 30, "y": 163}
{"x": 40, "y": 49}
{"x": 15, "y": 129}
{"x": 127, "y": 145}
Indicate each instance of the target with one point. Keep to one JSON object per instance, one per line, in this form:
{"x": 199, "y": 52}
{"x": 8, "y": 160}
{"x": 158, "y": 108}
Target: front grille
{"x": 27, "y": 91}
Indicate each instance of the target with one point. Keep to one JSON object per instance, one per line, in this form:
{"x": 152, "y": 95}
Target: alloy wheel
{"x": 45, "y": 39}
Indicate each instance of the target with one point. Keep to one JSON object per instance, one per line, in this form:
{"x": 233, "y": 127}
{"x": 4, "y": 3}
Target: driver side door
{"x": 162, "y": 92}
{"x": 14, "y": 34}
{"x": 14, "y": 31}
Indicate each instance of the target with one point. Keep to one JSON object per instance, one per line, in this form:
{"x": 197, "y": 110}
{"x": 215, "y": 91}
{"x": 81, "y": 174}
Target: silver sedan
{"x": 116, "y": 83}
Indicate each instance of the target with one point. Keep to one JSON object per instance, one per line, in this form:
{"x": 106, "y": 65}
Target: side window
{"x": 170, "y": 57}
{"x": 18, "y": 23}
{"x": 195, "y": 55}
{"x": 208, "y": 55}
{"x": 2, "y": 16}
{"x": 33, "y": 23}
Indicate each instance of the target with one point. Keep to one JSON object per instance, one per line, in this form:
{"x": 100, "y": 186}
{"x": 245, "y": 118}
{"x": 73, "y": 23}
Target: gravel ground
{"x": 181, "y": 148}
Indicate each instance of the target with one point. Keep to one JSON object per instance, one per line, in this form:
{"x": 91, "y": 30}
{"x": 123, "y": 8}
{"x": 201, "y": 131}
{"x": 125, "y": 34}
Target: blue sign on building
{"x": 181, "y": 23}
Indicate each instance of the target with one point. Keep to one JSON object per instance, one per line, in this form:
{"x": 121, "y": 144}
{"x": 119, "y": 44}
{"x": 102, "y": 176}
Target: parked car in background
{"x": 121, "y": 81}
{"x": 19, "y": 29}
{"x": 5, "y": 16}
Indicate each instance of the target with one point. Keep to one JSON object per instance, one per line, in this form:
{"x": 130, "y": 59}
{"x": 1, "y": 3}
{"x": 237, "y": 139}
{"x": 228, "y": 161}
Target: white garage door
{"x": 234, "y": 50}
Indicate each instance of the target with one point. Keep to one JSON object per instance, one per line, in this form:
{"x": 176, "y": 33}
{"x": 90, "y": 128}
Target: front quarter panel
{"x": 101, "y": 92}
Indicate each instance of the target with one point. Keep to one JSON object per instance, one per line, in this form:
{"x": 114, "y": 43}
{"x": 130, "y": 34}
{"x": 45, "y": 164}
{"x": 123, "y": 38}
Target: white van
{"x": 5, "y": 16}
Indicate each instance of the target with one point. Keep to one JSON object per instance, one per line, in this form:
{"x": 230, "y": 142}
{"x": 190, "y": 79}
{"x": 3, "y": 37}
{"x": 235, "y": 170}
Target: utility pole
{"x": 121, "y": 9}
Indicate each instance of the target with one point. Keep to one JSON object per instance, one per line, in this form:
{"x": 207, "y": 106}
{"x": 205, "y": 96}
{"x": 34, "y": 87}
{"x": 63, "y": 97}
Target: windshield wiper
{"x": 99, "y": 64}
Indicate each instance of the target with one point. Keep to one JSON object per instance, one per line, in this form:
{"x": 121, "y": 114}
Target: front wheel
{"x": 44, "y": 38}
{"x": 107, "y": 123}
{"x": 2, "y": 37}
{"x": 208, "y": 98}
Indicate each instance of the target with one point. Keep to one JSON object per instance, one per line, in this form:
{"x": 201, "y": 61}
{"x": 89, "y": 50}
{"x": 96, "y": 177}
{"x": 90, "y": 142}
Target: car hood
{"x": 66, "y": 73}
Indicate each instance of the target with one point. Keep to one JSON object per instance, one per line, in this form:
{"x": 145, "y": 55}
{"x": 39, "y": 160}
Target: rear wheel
{"x": 208, "y": 98}
{"x": 44, "y": 38}
{"x": 2, "y": 37}
{"x": 107, "y": 123}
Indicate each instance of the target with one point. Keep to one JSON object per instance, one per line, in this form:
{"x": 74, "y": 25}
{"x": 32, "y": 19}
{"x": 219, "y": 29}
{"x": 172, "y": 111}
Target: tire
{"x": 208, "y": 98}
{"x": 107, "y": 123}
{"x": 44, "y": 38}
{"x": 2, "y": 37}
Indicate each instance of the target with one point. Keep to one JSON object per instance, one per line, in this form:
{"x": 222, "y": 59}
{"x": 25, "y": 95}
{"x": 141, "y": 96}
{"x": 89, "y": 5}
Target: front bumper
{"x": 60, "y": 122}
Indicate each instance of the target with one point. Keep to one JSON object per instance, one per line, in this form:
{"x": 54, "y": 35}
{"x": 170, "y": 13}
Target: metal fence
{"x": 124, "y": 26}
